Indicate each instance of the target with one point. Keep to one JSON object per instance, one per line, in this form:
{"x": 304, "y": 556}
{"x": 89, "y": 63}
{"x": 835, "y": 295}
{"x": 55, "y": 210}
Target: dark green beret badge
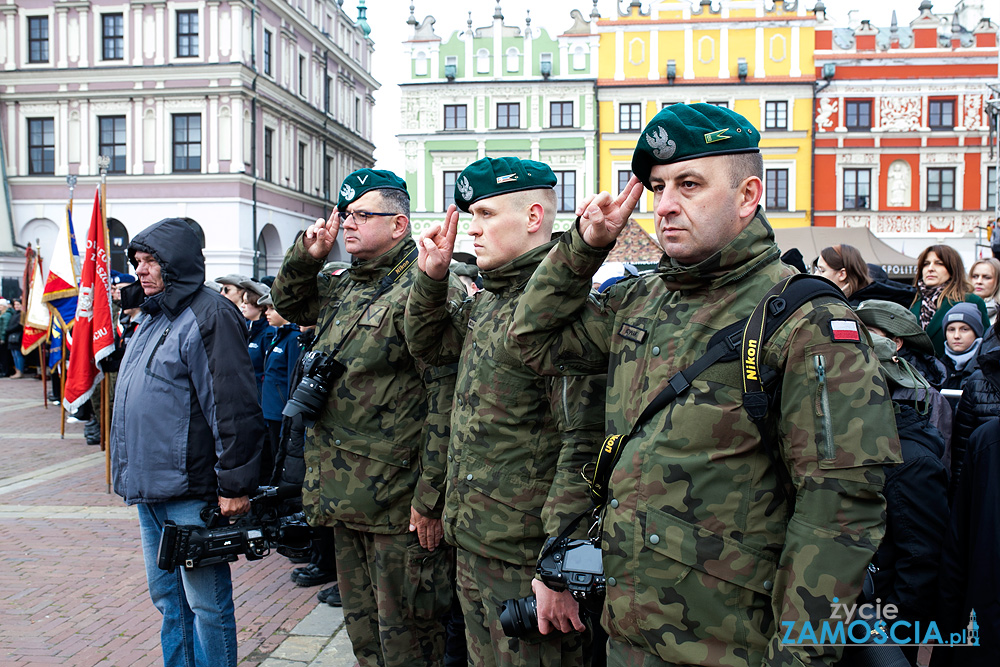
{"x": 361, "y": 181}
{"x": 490, "y": 177}
{"x": 689, "y": 131}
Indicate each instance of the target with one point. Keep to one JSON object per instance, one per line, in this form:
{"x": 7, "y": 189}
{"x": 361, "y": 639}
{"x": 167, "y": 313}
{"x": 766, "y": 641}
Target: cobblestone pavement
{"x": 72, "y": 584}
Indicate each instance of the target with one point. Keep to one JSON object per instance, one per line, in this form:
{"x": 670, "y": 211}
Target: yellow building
{"x": 753, "y": 56}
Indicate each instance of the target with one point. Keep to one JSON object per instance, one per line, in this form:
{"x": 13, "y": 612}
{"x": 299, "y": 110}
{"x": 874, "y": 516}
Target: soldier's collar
{"x": 377, "y": 267}
{"x": 515, "y": 273}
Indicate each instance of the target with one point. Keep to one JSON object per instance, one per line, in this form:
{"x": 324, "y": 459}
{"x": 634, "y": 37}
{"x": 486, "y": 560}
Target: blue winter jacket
{"x": 186, "y": 422}
{"x": 282, "y": 353}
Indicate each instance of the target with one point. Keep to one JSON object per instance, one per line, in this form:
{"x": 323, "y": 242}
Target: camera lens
{"x": 307, "y": 399}
{"x": 519, "y": 617}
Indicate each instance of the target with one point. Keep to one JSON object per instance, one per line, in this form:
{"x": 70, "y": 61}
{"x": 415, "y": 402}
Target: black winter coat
{"x": 916, "y": 517}
{"x": 887, "y": 291}
{"x": 979, "y": 403}
{"x": 969, "y": 577}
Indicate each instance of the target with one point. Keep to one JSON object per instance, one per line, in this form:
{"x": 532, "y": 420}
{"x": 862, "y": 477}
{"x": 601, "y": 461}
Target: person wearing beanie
{"x": 963, "y": 336}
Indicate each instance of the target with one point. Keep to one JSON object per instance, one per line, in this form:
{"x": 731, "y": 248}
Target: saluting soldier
{"x": 706, "y": 562}
{"x": 375, "y": 457}
{"x": 513, "y": 478}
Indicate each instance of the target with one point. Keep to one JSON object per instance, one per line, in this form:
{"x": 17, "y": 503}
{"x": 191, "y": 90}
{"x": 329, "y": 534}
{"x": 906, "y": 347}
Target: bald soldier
{"x": 375, "y": 457}
{"x": 710, "y": 559}
{"x": 513, "y": 477}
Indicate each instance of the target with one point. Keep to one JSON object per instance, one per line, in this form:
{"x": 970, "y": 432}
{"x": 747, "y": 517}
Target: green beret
{"x": 490, "y": 177}
{"x": 689, "y": 131}
{"x": 361, "y": 181}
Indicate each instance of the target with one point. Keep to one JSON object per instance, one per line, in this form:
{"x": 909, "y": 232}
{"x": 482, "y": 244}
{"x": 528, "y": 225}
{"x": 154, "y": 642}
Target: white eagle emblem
{"x": 663, "y": 146}
{"x": 85, "y": 305}
{"x": 347, "y": 192}
{"x": 465, "y": 188}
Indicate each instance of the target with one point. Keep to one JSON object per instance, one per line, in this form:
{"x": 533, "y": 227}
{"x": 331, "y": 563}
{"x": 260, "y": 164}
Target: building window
{"x": 776, "y": 115}
{"x": 623, "y": 178}
{"x": 629, "y": 118}
{"x": 858, "y": 114}
{"x": 327, "y": 89}
{"x": 776, "y": 181}
{"x": 991, "y": 189}
{"x": 187, "y": 34}
{"x": 455, "y": 117}
{"x": 450, "y": 178}
{"x": 508, "y": 115}
{"x": 327, "y": 171}
{"x": 513, "y": 59}
{"x": 187, "y": 142}
{"x": 941, "y": 114}
{"x": 267, "y": 52}
{"x": 941, "y": 189}
{"x": 113, "y": 36}
{"x": 302, "y": 76}
{"x": 561, "y": 114}
{"x": 857, "y": 189}
{"x": 579, "y": 58}
{"x": 41, "y": 146}
{"x": 565, "y": 191}
{"x": 268, "y": 155}
{"x": 38, "y": 39}
{"x": 668, "y": 104}
{"x": 724, "y": 105}
{"x": 482, "y": 61}
{"x": 111, "y": 142}
{"x": 302, "y": 167}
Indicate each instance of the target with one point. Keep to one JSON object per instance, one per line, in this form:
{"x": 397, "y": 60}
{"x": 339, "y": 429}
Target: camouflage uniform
{"x": 511, "y": 479}
{"x": 701, "y": 556}
{"x": 377, "y": 449}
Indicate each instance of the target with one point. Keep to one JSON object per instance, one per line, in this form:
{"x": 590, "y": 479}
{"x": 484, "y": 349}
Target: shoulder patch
{"x": 845, "y": 331}
{"x": 339, "y": 272}
{"x": 634, "y": 333}
{"x": 373, "y": 316}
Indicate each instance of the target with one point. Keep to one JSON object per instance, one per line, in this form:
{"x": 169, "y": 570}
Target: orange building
{"x": 901, "y": 130}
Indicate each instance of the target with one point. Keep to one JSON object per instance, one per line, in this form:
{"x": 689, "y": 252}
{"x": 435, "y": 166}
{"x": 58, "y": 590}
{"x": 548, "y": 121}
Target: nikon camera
{"x": 319, "y": 372}
{"x": 251, "y": 535}
{"x": 566, "y": 564}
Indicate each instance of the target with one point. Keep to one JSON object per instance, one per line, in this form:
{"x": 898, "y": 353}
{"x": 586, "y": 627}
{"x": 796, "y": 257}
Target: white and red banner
{"x": 93, "y": 336}
{"x": 37, "y": 317}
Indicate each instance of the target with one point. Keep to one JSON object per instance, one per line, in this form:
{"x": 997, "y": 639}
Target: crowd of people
{"x": 449, "y": 421}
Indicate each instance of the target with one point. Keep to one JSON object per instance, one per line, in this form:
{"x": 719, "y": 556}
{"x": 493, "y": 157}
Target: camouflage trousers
{"x": 396, "y": 597}
{"x": 622, "y": 654}
{"x": 484, "y": 584}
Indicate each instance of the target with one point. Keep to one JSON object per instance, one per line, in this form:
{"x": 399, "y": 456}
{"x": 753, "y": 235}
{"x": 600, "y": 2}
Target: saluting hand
{"x": 320, "y": 236}
{"x": 437, "y": 246}
{"x": 602, "y": 219}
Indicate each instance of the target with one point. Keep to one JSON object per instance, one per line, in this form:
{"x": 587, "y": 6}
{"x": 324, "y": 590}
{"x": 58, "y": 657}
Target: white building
{"x": 241, "y": 116}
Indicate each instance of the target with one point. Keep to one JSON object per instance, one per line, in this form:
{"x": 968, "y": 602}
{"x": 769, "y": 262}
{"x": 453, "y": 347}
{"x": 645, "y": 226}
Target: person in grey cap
{"x": 232, "y": 287}
{"x": 963, "y": 334}
{"x": 257, "y": 326}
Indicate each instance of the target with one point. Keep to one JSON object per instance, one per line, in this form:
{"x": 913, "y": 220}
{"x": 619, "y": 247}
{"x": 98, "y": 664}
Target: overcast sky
{"x": 388, "y": 22}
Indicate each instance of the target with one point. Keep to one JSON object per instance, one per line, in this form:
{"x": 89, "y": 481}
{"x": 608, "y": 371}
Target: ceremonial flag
{"x": 64, "y": 270}
{"x": 55, "y": 343}
{"x": 36, "y": 316}
{"x": 93, "y": 337}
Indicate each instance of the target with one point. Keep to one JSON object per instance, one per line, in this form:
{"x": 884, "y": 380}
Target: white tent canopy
{"x": 810, "y": 240}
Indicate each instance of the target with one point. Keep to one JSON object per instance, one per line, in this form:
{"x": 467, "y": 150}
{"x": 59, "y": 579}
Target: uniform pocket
{"x": 429, "y": 578}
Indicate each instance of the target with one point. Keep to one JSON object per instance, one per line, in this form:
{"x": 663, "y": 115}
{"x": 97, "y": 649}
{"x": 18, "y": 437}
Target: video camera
{"x": 573, "y": 565}
{"x": 251, "y": 535}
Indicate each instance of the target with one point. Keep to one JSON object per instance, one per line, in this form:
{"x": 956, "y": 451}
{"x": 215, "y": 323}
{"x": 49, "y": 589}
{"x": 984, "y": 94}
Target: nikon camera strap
{"x": 743, "y": 339}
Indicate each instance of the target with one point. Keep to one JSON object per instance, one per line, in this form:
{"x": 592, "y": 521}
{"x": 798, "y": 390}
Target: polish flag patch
{"x": 845, "y": 331}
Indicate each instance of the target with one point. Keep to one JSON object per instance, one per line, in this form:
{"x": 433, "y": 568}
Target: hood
{"x": 176, "y": 247}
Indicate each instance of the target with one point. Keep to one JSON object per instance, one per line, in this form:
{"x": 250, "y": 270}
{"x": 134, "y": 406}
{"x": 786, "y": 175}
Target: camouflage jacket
{"x": 378, "y": 446}
{"x": 704, "y": 564}
{"x": 513, "y": 478}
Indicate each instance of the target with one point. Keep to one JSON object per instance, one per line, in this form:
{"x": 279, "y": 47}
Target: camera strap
{"x": 387, "y": 281}
{"x": 737, "y": 339}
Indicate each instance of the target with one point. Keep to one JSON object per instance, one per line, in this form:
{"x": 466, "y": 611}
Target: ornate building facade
{"x": 240, "y": 116}
{"x": 902, "y": 136}
{"x": 752, "y": 56}
{"x": 493, "y": 91}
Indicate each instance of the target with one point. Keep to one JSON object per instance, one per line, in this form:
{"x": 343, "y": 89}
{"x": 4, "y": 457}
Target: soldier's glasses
{"x": 360, "y": 217}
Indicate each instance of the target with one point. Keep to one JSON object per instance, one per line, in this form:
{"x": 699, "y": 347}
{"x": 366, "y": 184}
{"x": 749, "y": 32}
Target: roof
{"x": 810, "y": 240}
{"x": 635, "y": 245}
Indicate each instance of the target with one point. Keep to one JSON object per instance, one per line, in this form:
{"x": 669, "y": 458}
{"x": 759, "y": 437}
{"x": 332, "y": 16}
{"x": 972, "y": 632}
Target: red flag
{"x": 93, "y": 338}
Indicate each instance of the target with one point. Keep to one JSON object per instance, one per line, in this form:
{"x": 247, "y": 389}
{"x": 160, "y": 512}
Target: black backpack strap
{"x": 726, "y": 345}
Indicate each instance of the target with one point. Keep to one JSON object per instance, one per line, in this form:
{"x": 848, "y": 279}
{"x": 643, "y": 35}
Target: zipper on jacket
{"x": 565, "y": 399}
{"x": 826, "y": 452}
{"x": 163, "y": 338}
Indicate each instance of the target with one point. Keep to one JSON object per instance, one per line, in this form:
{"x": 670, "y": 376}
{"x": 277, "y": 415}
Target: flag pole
{"x": 71, "y": 182}
{"x": 103, "y": 161}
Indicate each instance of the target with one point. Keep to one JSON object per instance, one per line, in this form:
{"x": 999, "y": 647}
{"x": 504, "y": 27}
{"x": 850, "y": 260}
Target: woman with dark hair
{"x": 985, "y": 278}
{"x": 843, "y": 265}
{"x": 941, "y": 283}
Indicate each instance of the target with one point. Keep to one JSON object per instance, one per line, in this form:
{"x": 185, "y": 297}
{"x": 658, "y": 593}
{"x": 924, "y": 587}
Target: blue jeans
{"x": 199, "y": 621}
{"x": 15, "y": 352}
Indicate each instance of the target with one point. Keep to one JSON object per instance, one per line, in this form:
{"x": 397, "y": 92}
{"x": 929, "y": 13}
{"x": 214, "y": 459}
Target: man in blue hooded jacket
{"x": 186, "y": 433}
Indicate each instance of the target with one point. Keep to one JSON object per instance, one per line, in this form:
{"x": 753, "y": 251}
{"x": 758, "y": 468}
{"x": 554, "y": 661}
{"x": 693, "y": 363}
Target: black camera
{"x": 573, "y": 565}
{"x": 319, "y": 371}
{"x": 251, "y": 535}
